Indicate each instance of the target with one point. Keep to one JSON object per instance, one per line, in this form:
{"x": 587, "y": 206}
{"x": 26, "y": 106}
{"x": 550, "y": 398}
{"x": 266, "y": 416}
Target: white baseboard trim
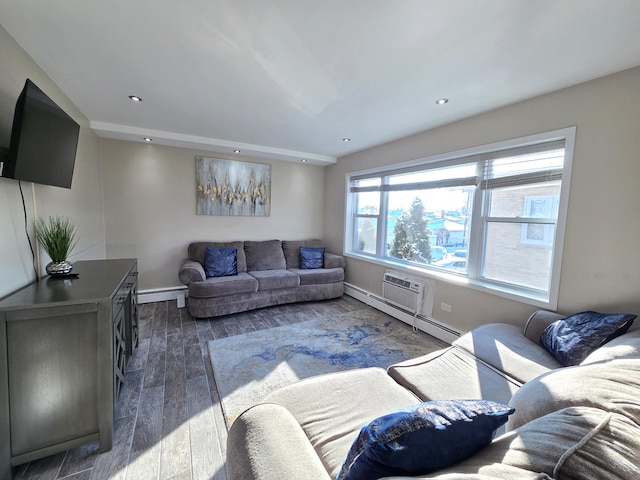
{"x": 163, "y": 295}
{"x": 424, "y": 323}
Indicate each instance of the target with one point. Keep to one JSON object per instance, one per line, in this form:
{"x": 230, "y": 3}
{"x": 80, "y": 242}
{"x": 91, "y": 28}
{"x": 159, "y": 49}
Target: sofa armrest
{"x": 191, "y": 271}
{"x": 537, "y": 322}
{"x": 267, "y": 443}
{"x": 331, "y": 260}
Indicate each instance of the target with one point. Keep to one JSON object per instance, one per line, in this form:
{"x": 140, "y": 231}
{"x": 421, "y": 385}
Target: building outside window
{"x": 493, "y": 216}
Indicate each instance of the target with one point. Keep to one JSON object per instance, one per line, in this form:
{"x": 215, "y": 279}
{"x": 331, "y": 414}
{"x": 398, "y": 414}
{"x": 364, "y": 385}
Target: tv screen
{"x": 44, "y": 140}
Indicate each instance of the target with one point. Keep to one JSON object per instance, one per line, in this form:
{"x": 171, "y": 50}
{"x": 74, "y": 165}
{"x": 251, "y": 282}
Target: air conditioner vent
{"x": 403, "y": 291}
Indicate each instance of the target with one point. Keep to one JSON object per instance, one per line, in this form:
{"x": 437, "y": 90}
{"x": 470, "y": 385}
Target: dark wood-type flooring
{"x": 169, "y": 423}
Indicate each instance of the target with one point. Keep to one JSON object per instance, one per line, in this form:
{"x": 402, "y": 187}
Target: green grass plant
{"x": 57, "y": 235}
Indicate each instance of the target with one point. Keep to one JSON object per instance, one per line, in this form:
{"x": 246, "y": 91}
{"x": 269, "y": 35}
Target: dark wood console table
{"x": 64, "y": 344}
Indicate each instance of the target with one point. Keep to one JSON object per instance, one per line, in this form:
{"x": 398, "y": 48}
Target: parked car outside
{"x": 438, "y": 253}
{"x": 453, "y": 263}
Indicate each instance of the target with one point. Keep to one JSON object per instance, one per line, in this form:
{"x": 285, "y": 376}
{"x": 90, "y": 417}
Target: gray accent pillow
{"x": 264, "y": 255}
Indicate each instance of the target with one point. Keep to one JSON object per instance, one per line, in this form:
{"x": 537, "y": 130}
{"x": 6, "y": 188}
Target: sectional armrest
{"x": 537, "y": 322}
{"x": 267, "y": 443}
{"x": 191, "y": 271}
{"x": 331, "y": 260}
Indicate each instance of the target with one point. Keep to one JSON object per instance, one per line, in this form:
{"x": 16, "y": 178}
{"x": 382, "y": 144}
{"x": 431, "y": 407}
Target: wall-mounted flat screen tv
{"x": 44, "y": 140}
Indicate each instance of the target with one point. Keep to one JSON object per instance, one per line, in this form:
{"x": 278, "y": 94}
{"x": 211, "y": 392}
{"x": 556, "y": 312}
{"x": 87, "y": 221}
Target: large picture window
{"x": 493, "y": 215}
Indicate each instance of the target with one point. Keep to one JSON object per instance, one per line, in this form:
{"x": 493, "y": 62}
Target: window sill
{"x": 460, "y": 280}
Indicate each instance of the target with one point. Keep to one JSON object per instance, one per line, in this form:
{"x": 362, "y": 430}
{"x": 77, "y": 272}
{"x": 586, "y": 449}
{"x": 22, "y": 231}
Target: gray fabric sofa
{"x": 268, "y": 273}
{"x": 580, "y": 422}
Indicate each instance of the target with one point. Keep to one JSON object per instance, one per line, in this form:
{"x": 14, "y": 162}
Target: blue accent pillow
{"x": 220, "y": 262}
{"x": 570, "y": 340}
{"x": 311, "y": 257}
{"x": 423, "y": 438}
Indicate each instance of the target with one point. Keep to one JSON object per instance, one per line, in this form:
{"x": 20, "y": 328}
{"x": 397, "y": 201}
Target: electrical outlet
{"x": 445, "y": 306}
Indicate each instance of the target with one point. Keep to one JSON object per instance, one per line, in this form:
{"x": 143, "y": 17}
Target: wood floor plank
{"x": 138, "y": 360}
{"x": 154, "y": 370}
{"x": 206, "y": 454}
{"x": 218, "y": 329}
{"x": 44, "y": 468}
{"x": 112, "y": 465}
{"x": 175, "y": 457}
{"x": 174, "y": 325}
{"x": 144, "y": 459}
{"x": 205, "y": 334}
{"x": 159, "y": 329}
{"x": 79, "y": 459}
{"x": 130, "y": 394}
{"x": 194, "y": 367}
{"x": 190, "y": 334}
{"x": 174, "y": 380}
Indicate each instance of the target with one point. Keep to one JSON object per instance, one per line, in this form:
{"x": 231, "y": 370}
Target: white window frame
{"x": 473, "y": 278}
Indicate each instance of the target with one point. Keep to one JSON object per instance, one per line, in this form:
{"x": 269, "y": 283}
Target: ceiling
{"x": 289, "y": 79}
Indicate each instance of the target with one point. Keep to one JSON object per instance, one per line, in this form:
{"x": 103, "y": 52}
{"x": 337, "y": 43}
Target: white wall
{"x": 83, "y": 202}
{"x": 601, "y": 263}
{"x": 150, "y": 207}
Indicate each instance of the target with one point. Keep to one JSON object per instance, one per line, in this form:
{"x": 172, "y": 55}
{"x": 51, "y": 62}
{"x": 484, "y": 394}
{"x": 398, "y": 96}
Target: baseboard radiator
{"x": 421, "y": 322}
{"x": 163, "y": 294}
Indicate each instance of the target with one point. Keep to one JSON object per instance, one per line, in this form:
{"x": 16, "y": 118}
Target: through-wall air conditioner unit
{"x": 402, "y": 291}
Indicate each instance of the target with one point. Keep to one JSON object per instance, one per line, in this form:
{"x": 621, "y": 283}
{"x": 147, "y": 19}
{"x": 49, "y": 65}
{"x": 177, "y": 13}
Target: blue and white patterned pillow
{"x": 423, "y": 438}
{"x": 570, "y": 340}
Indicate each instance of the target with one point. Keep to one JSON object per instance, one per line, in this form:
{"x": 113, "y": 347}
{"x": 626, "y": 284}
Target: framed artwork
{"x": 230, "y": 187}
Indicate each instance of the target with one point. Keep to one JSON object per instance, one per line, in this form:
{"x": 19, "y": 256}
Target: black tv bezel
{"x": 16, "y": 166}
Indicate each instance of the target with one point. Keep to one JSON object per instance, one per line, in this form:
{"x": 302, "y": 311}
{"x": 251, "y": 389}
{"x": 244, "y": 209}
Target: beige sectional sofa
{"x": 267, "y": 273}
{"x": 579, "y": 422}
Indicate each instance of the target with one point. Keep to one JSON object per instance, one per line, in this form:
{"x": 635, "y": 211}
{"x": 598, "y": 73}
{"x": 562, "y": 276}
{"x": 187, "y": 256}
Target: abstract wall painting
{"x": 230, "y": 188}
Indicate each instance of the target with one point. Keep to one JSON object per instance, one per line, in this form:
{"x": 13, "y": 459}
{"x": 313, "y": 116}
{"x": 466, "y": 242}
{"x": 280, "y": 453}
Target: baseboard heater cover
{"x": 163, "y": 295}
{"x": 426, "y": 324}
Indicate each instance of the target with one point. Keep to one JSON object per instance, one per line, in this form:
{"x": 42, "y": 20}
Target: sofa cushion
{"x": 220, "y": 262}
{"x": 196, "y": 251}
{"x": 311, "y": 257}
{"x": 275, "y": 279}
{"x": 577, "y": 443}
{"x": 612, "y": 386}
{"x": 452, "y": 373}
{"x": 423, "y": 438}
{"x": 570, "y": 340}
{"x": 505, "y": 347}
{"x": 291, "y": 249}
{"x": 324, "y": 406}
{"x": 265, "y": 255}
{"x": 223, "y": 286}
{"x": 318, "y": 276}
{"x": 625, "y": 346}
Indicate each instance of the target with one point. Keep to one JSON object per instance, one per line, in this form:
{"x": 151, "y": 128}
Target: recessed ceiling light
{"x": 135, "y": 98}
{"x": 236, "y": 151}
{"x": 147, "y": 139}
{"x": 442, "y": 101}
{"x": 345, "y": 139}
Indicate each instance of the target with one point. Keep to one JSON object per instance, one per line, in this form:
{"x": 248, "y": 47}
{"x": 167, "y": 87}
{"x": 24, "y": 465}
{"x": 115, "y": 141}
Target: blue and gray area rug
{"x": 248, "y": 367}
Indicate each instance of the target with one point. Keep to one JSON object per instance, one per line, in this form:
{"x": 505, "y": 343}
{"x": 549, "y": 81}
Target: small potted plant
{"x": 57, "y": 235}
